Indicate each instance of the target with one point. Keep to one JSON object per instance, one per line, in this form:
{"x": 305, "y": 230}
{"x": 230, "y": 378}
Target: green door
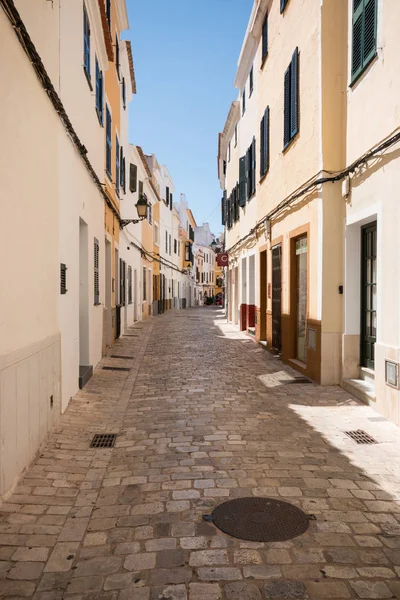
{"x": 368, "y": 295}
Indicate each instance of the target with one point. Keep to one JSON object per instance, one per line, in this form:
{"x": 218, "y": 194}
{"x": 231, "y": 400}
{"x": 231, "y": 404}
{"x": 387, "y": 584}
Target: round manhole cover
{"x": 260, "y": 519}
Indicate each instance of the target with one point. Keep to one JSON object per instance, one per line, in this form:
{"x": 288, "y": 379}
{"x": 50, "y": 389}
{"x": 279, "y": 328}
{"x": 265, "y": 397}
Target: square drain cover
{"x": 103, "y": 440}
{"x": 296, "y": 380}
{"x": 116, "y": 369}
{"x": 361, "y": 437}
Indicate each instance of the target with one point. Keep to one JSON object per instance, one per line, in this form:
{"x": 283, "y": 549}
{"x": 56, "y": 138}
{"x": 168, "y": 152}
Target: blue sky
{"x": 185, "y": 54}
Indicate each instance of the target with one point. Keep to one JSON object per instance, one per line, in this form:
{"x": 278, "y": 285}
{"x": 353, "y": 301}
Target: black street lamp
{"x": 142, "y": 207}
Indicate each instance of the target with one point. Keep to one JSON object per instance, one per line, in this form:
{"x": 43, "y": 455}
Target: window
{"x": 170, "y": 245}
{"x": 156, "y": 235}
{"x": 150, "y": 213}
{"x": 108, "y": 12}
{"x": 175, "y": 246}
{"x": 224, "y": 167}
{"x": 86, "y": 44}
{"x": 117, "y": 175}
{"x": 244, "y": 101}
{"x": 132, "y": 178}
{"x": 166, "y": 242}
{"x": 283, "y": 5}
{"x": 170, "y": 201}
{"x": 251, "y": 169}
{"x": 122, "y": 282}
{"x": 140, "y": 188}
{"x": 229, "y": 152}
{"x": 236, "y": 135}
{"x": 251, "y": 81}
{"x": 264, "y": 143}
{"x": 117, "y": 55}
{"x": 123, "y": 93}
{"x": 144, "y": 284}
{"x": 108, "y": 142}
{"x": 364, "y": 35}
{"x": 99, "y": 93}
{"x": 63, "y": 278}
{"x": 122, "y": 171}
{"x": 96, "y": 272}
{"x": 291, "y": 108}
{"x": 264, "y": 52}
{"x": 129, "y": 285}
{"x": 167, "y": 195}
{"x": 179, "y": 248}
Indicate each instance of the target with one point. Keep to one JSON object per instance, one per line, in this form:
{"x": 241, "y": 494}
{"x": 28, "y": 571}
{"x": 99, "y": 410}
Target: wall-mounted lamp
{"x": 142, "y": 207}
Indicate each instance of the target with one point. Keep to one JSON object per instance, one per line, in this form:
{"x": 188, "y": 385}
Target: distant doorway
{"x": 301, "y": 298}
{"x": 368, "y": 295}
{"x": 277, "y": 297}
{"x": 263, "y": 296}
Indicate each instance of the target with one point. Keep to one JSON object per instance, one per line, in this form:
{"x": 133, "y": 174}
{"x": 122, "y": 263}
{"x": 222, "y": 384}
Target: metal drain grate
{"x": 116, "y": 369}
{"x": 296, "y": 380}
{"x": 260, "y": 519}
{"x": 103, "y": 440}
{"x": 120, "y": 356}
{"x": 360, "y": 437}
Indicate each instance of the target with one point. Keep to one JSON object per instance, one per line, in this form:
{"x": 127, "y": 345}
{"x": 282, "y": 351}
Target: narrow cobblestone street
{"x": 203, "y": 415}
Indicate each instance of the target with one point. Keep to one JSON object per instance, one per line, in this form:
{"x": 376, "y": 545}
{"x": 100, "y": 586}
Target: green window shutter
{"x": 264, "y": 149}
{"x": 223, "y": 209}
{"x": 253, "y": 167}
{"x": 357, "y": 49}
{"x": 96, "y": 272}
{"x": 63, "y": 278}
{"x": 286, "y": 110}
{"x": 248, "y": 173}
{"x": 264, "y": 39}
{"x": 238, "y": 199}
{"x": 294, "y": 94}
{"x": 132, "y": 177}
{"x": 364, "y": 35}
{"x": 370, "y": 17}
{"x": 283, "y": 4}
{"x": 242, "y": 181}
{"x": 140, "y": 188}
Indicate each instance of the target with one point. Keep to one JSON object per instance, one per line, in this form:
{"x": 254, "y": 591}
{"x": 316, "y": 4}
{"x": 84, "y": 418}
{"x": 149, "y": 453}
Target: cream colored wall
{"x": 29, "y": 337}
{"x": 373, "y": 108}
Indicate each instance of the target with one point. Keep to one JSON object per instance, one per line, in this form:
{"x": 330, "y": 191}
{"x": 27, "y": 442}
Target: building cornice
{"x": 249, "y": 47}
{"x": 131, "y": 66}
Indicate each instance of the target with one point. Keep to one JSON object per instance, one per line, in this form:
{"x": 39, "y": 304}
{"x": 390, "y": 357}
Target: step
{"x": 251, "y": 331}
{"x": 361, "y": 389}
{"x": 85, "y": 373}
{"x": 367, "y": 375}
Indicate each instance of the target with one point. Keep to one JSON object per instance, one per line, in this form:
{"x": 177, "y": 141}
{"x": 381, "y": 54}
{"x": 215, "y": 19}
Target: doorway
{"x": 263, "y": 296}
{"x": 368, "y": 294}
{"x": 108, "y": 294}
{"x": 301, "y": 298}
{"x": 277, "y": 297}
{"x": 85, "y": 370}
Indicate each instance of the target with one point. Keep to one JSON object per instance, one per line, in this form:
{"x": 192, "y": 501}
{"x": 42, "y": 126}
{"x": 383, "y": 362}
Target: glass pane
{"x": 373, "y": 289}
{"x": 374, "y": 270}
{"x": 368, "y": 263}
{"x": 374, "y": 324}
{"x": 368, "y": 324}
{"x": 302, "y": 300}
{"x": 368, "y": 297}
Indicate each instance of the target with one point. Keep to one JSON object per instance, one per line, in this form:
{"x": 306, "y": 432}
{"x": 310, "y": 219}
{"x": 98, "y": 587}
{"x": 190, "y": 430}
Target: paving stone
{"x": 278, "y": 557}
{"x": 98, "y": 566}
{"x": 169, "y": 559}
{"x": 285, "y": 590}
{"x": 22, "y": 589}
{"x": 208, "y": 557}
{"x": 204, "y": 591}
{"x": 193, "y": 543}
{"x": 247, "y": 557}
{"x": 219, "y": 574}
{"x": 135, "y": 593}
{"x": 140, "y": 562}
{"x": 327, "y": 589}
{"x": 371, "y": 589}
{"x": 30, "y": 554}
{"x": 118, "y": 581}
{"x": 339, "y": 572}
{"x": 262, "y": 572}
{"x": 242, "y": 591}
{"x": 162, "y": 544}
{"x": 166, "y": 576}
{"x": 127, "y": 548}
{"x": 83, "y": 585}
{"x": 62, "y": 557}
{"x": 26, "y": 570}
{"x": 171, "y": 592}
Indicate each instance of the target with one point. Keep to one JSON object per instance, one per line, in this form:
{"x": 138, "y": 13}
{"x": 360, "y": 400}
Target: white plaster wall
{"x": 29, "y": 337}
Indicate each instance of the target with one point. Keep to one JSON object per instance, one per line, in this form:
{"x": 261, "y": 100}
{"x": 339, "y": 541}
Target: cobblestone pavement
{"x": 203, "y": 415}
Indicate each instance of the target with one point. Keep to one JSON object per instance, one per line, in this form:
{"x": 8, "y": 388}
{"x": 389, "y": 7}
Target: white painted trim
{"x": 96, "y": 26}
{"x": 122, "y": 14}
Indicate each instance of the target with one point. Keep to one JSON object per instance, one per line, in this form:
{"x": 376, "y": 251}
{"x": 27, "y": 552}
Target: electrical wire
{"x": 314, "y": 182}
